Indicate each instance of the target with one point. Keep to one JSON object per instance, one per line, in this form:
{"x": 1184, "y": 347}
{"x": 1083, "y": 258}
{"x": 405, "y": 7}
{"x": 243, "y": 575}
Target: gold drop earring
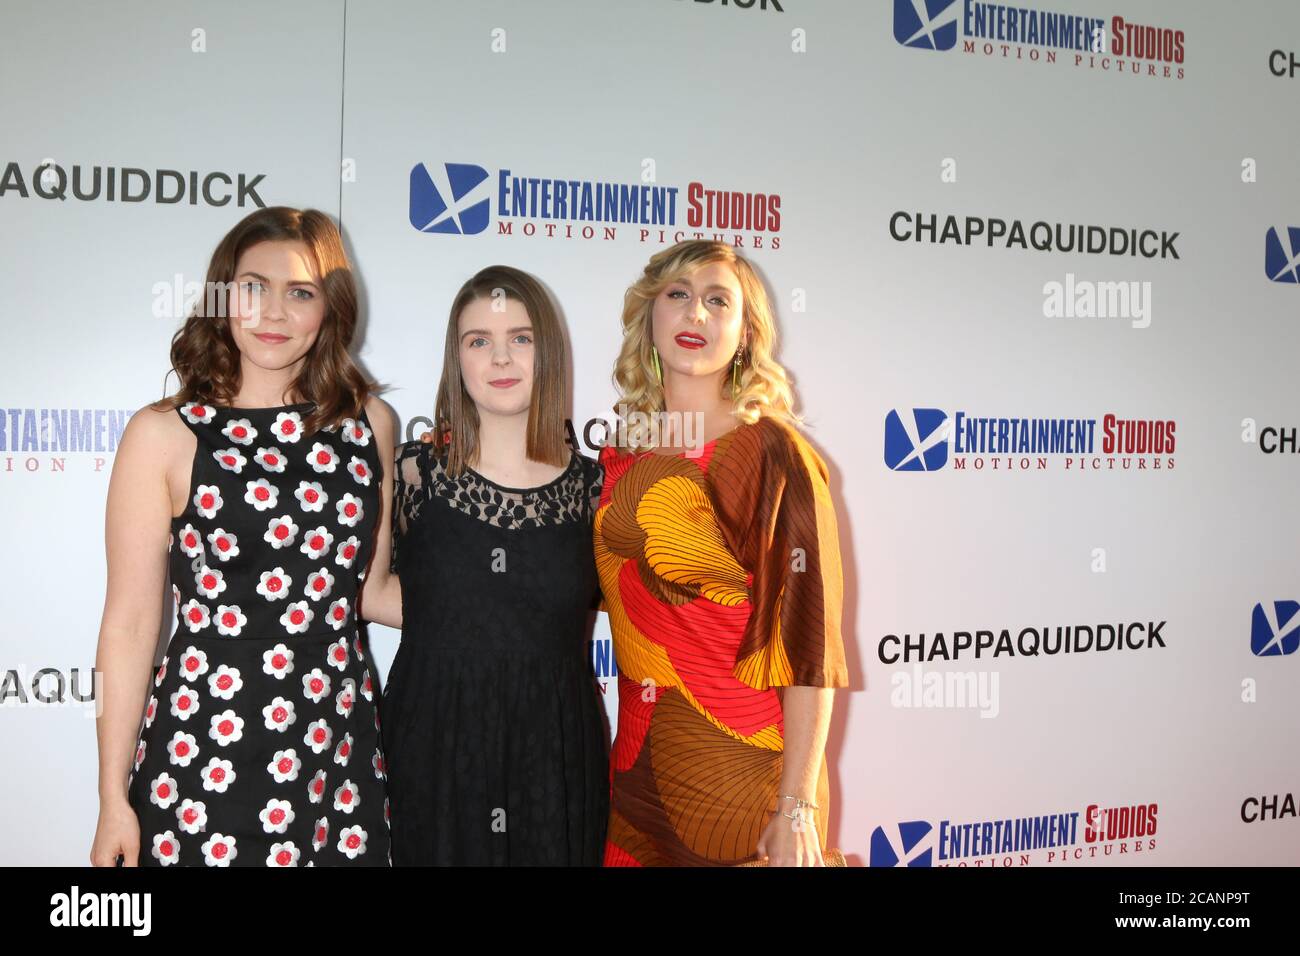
{"x": 656, "y": 364}
{"x": 736, "y": 364}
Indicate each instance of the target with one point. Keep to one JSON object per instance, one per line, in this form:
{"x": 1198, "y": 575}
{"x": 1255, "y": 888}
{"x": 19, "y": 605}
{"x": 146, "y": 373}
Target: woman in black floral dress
{"x": 259, "y": 487}
{"x": 495, "y": 734}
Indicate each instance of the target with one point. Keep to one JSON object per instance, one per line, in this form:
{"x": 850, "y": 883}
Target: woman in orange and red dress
{"x": 719, "y": 562}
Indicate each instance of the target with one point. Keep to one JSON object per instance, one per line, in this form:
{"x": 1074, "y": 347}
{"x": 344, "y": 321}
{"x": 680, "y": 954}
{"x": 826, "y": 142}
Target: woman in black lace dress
{"x": 494, "y": 732}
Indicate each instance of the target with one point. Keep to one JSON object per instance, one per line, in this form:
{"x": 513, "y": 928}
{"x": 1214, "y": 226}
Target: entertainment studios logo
{"x": 458, "y": 199}
{"x": 42, "y": 439}
{"x": 992, "y": 30}
{"x": 926, "y": 439}
{"x": 1066, "y": 837}
{"x": 1275, "y": 628}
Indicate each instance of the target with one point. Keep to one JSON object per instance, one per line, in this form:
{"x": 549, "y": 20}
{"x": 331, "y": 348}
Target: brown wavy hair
{"x": 456, "y": 413}
{"x": 203, "y": 352}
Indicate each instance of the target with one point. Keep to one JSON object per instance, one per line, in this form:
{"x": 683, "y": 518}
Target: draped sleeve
{"x": 772, "y": 493}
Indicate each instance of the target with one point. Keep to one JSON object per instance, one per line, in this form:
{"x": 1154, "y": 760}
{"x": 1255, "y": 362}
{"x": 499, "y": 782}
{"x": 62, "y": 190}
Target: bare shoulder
{"x": 155, "y": 452}
{"x": 381, "y": 416}
{"x": 155, "y": 433}
{"x": 382, "y": 421}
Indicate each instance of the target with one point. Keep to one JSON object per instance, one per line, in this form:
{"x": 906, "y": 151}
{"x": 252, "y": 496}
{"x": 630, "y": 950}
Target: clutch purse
{"x": 831, "y": 857}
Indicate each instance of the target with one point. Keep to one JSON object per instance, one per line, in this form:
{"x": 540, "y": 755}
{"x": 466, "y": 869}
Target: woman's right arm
{"x": 137, "y": 527}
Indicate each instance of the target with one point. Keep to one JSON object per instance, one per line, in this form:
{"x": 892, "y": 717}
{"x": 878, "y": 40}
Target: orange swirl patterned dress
{"x": 721, "y": 575}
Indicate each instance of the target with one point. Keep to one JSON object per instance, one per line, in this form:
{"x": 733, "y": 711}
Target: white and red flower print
{"x": 318, "y": 738}
{"x": 355, "y": 432}
{"x": 166, "y": 849}
{"x": 207, "y": 499}
{"x": 257, "y": 491}
{"x": 192, "y": 816}
{"x": 261, "y": 494}
{"x": 230, "y": 459}
{"x": 195, "y": 615}
{"x": 274, "y": 584}
{"x": 283, "y": 854}
{"x": 280, "y": 532}
{"x": 218, "y": 775}
{"x": 278, "y": 714}
{"x": 224, "y": 683}
{"x": 347, "y": 552}
{"x": 197, "y": 414}
{"x": 297, "y": 617}
{"x": 352, "y": 842}
{"x": 219, "y": 850}
{"x": 226, "y": 728}
{"x": 162, "y": 791}
{"x": 277, "y": 662}
{"x": 284, "y": 766}
{"x": 185, "y": 703}
{"x": 320, "y": 584}
{"x": 224, "y": 544}
{"x": 189, "y": 540}
{"x": 311, "y": 495}
{"x": 347, "y": 797}
{"x": 359, "y": 470}
{"x": 209, "y": 581}
{"x": 193, "y": 663}
{"x": 316, "y": 542}
{"x": 182, "y": 748}
{"x": 337, "y": 654}
{"x": 315, "y": 685}
{"x": 323, "y": 458}
{"x": 337, "y": 614}
{"x": 276, "y": 816}
{"x": 349, "y": 510}
{"x": 240, "y": 431}
{"x": 271, "y": 459}
{"x": 287, "y": 427}
{"x": 230, "y": 620}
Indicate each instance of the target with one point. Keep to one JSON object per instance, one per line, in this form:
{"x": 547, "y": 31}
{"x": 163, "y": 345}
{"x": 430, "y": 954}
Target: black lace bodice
{"x": 421, "y": 480}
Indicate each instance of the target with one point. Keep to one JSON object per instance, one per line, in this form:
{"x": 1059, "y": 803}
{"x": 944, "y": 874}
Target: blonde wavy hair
{"x": 765, "y": 388}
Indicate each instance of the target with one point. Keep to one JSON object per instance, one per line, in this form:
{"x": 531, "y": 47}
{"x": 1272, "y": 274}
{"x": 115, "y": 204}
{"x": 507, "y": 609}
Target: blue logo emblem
{"x": 1280, "y": 635}
{"x": 901, "y": 846}
{"x": 927, "y": 24}
{"x": 452, "y": 208}
{"x": 916, "y": 442}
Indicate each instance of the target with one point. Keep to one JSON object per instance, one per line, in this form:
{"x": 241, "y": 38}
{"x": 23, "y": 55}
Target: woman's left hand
{"x": 787, "y": 842}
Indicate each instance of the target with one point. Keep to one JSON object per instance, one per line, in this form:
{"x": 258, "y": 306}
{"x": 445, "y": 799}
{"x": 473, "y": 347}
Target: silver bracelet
{"x": 799, "y": 802}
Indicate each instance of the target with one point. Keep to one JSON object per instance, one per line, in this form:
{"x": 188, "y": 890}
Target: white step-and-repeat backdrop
{"x": 1036, "y": 271}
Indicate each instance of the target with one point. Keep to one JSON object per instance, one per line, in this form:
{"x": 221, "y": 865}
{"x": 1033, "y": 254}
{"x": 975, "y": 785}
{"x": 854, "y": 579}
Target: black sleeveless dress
{"x": 260, "y": 744}
{"x": 495, "y": 734}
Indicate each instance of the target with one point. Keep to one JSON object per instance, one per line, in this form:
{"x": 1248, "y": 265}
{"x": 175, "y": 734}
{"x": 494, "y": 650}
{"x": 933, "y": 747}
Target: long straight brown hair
{"x": 205, "y": 357}
{"x": 456, "y": 413}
